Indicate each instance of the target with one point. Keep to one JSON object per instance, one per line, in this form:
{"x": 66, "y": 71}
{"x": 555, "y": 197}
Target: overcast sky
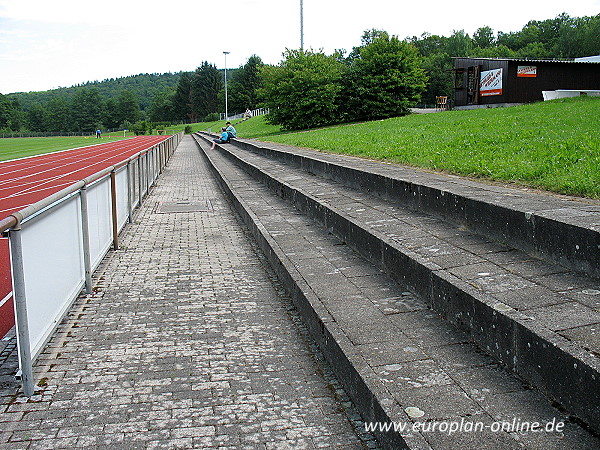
{"x": 45, "y": 44}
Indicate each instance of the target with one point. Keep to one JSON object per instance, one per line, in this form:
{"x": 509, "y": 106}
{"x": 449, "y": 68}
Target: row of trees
{"x": 383, "y": 77}
{"x": 144, "y": 86}
{"x": 84, "y": 111}
{"x": 200, "y": 95}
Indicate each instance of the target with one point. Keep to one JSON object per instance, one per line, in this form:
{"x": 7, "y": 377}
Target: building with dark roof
{"x": 488, "y": 82}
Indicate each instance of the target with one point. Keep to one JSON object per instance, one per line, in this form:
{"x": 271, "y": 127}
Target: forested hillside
{"x": 144, "y": 86}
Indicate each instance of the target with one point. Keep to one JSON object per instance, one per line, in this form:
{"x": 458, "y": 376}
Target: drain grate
{"x": 184, "y": 207}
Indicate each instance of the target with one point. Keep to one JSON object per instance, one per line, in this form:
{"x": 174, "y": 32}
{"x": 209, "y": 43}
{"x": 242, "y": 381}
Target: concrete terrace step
{"x": 540, "y": 320}
{"x": 554, "y": 228}
{"x": 396, "y": 357}
{"x": 551, "y": 341}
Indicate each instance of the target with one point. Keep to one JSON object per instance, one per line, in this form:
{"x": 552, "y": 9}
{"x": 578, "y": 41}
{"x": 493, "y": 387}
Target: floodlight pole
{"x": 226, "y": 111}
{"x": 301, "y": 25}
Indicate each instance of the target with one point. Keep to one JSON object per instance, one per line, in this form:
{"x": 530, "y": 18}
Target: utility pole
{"x": 226, "y": 111}
{"x": 301, "y": 25}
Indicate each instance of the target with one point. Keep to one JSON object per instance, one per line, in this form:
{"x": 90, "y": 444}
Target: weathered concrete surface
{"x": 186, "y": 342}
{"x": 392, "y": 353}
{"x": 554, "y": 228}
{"x": 549, "y": 342}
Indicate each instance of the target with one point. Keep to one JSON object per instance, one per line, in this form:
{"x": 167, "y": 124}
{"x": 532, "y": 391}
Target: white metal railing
{"x": 57, "y": 243}
{"x": 253, "y": 113}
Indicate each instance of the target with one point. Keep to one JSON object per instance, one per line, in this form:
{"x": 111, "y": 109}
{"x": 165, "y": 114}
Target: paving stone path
{"x": 186, "y": 342}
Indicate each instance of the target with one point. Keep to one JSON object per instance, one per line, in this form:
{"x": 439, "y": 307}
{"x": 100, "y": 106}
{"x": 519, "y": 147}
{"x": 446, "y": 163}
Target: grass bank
{"x": 548, "y": 145}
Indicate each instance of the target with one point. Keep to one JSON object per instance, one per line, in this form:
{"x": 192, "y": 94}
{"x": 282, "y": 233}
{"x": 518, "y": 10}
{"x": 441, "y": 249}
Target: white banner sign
{"x": 491, "y": 83}
{"x": 526, "y": 71}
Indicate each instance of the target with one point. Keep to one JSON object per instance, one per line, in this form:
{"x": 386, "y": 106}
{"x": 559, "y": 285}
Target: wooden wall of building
{"x": 521, "y": 86}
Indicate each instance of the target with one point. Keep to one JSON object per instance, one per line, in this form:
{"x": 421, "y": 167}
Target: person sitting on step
{"x": 231, "y": 130}
{"x": 223, "y": 140}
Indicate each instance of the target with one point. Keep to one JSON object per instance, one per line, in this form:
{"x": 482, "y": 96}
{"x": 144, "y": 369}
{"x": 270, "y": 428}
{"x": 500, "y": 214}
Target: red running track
{"x": 26, "y": 181}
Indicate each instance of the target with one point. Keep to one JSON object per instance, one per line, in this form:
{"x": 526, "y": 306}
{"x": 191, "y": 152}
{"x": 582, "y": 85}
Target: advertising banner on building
{"x": 491, "y": 83}
{"x": 526, "y": 71}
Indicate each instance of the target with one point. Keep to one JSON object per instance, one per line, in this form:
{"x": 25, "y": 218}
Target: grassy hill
{"x": 548, "y": 145}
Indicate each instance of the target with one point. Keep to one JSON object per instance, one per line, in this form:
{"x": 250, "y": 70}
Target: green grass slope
{"x": 549, "y": 145}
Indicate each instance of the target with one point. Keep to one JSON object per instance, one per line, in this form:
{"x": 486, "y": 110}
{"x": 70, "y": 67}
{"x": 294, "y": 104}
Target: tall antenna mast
{"x": 301, "y": 25}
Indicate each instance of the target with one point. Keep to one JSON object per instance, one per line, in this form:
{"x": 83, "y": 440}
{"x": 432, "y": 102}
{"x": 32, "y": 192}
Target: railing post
{"x": 115, "y": 222}
{"x": 151, "y": 166}
{"x": 147, "y": 172}
{"x": 154, "y": 165}
{"x": 85, "y": 229}
{"x": 140, "y": 196}
{"x": 160, "y": 157}
{"x": 20, "y": 298}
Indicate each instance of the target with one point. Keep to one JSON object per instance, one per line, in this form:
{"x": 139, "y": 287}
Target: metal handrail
{"x": 18, "y": 217}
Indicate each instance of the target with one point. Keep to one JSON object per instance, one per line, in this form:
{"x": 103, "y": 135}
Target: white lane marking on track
{"x": 5, "y": 299}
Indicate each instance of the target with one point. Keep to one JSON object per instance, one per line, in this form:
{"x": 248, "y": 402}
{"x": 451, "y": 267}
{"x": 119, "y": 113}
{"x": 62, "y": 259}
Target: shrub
{"x": 302, "y": 91}
{"x": 212, "y": 117}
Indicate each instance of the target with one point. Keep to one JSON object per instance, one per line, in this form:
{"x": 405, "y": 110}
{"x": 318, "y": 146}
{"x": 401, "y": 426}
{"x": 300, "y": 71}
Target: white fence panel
{"x": 135, "y": 185}
{"x": 100, "y": 220}
{"x": 122, "y": 197}
{"x": 52, "y": 267}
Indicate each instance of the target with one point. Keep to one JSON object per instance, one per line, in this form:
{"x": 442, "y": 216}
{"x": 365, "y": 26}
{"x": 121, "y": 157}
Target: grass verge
{"x": 553, "y": 145}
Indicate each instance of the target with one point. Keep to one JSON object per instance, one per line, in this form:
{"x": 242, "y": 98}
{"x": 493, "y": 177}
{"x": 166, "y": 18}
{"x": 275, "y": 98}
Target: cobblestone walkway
{"x": 186, "y": 342}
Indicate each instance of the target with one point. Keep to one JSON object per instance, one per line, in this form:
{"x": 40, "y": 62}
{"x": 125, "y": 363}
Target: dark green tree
{"x": 87, "y": 109}
{"x": 500, "y": 51}
{"x": 439, "y": 69}
{"x": 484, "y": 37}
{"x": 12, "y": 117}
{"x": 384, "y": 80}
{"x": 459, "y": 44}
{"x": 207, "y": 82}
{"x": 127, "y": 108}
{"x": 429, "y": 44}
{"x": 161, "y": 107}
{"x": 110, "y": 119}
{"x": 37, "y": 118}
{"x": 533, "y": 50}
{"x": 303, "y": 90}
{"x": 546, "y": 32}
{"x": 58, "y": 114}
{"x": 580, "y": 37}
{"x": 367, "y": 38}
{"x": 244, "y": 86}
{"x": 183, "y": 105}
